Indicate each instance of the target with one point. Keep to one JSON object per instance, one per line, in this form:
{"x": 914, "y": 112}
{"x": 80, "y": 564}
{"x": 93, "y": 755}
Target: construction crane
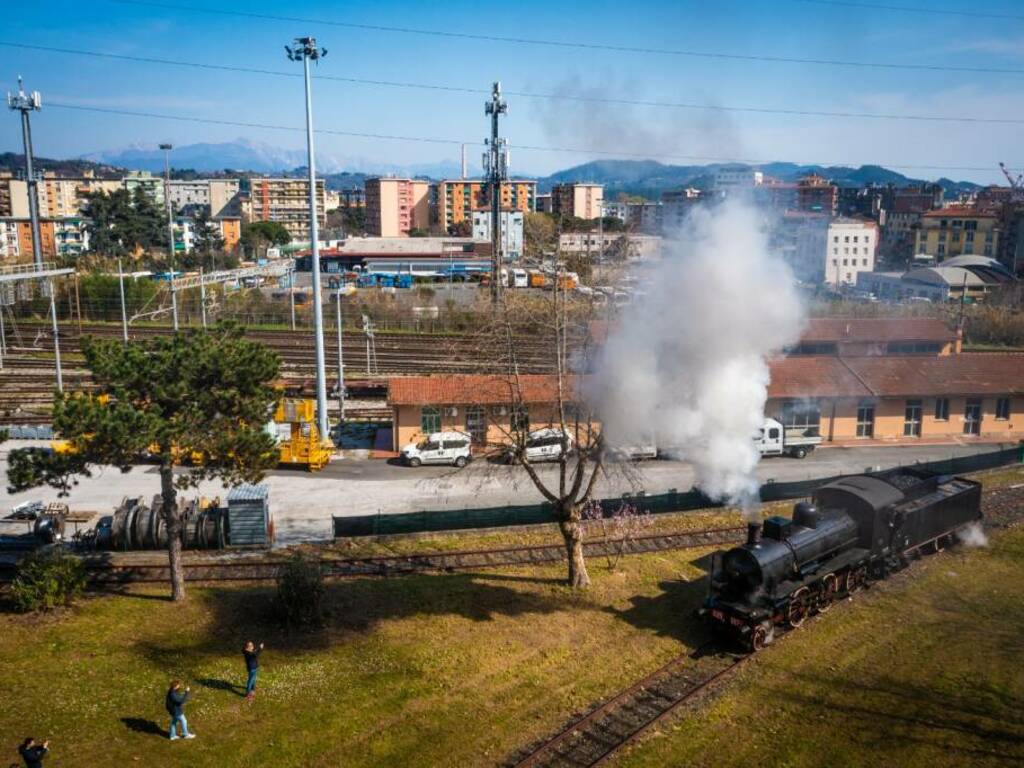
{"x": 1016, "y": 184}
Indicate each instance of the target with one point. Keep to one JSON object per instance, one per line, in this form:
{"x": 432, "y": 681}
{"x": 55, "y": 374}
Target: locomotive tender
{"x": 855, "y": 529}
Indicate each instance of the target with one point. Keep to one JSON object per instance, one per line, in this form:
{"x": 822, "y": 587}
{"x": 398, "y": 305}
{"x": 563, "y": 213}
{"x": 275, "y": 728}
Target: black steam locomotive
{"x": 855, "y": 529}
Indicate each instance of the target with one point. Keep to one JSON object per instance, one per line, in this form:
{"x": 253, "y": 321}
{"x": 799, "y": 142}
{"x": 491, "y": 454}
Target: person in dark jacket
{"x": 175, "y": 703}
{"x": 252, "y": 666}
{"x": 33, "y": 753}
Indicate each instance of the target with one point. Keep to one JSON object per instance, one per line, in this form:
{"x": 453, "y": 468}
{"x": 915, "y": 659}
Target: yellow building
{"x": 394, "y": 207}
{"x": 957, "y": 232}
{"x": 458, "y": 198}
{"x": 286, "y": 201}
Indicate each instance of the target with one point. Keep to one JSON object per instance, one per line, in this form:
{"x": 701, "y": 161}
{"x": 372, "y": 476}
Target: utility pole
{"x": 304, "y": 51}
{"x": 341, "y": 364}
{"x": 496, "y": 167}
{"x": 124, "y": 312}
{"x": 25, "y": 103}
{"x": 202, "y": 297}
{"x": 170, "y": 228}
{"x": 464, "y": 161}
{"x": 291, "y": 295}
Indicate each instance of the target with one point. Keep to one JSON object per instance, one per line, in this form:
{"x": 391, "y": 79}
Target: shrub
{"x": 300, "y": 591}
{"x": 47, "y": 579}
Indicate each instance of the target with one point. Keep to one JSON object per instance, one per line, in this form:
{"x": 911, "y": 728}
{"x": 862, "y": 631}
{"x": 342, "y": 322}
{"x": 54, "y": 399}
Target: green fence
{"x": 673, "y": 501}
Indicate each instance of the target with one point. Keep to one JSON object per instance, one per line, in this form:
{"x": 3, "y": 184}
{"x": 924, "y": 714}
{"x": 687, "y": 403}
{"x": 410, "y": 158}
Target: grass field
{"x": 428, "y": 670}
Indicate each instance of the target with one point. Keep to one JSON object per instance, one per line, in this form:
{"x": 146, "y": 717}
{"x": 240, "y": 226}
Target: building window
{"x": 803, "y": 415}
{"x": 912, "y": 419}
{"x": 863, "y": 262}
{"x": 855, "y": 238}
{"x": 972, "y": 417}
{"x": 942, "y": 409}
{"x": 866, "y": 420}
{"x": 1002, "y": 408}
{"x": 476, "y": 424}
{"x": 430, "y": 420}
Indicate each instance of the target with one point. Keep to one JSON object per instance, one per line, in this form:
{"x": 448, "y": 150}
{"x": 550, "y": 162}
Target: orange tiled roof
{"x": 964, "y": 374}
{"x": 472, "y": 389}
{"x": 881, "y": 329}
{"x": 957, "y": 213}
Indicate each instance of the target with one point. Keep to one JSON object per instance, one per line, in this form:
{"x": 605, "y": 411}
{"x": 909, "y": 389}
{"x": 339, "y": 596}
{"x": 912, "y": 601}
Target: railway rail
{"x": 594, "y": 738}
{"x": 123, "y": 568}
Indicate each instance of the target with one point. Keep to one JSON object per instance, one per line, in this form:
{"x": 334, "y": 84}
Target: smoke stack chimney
{"x": 753, "y": 533}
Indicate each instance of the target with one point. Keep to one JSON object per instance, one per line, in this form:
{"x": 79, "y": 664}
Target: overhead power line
{"x": 974, "y": 14}
{"x": 572, "y": 44}
{"x": 457, "y": 142}
{"x": 526, "y": 94}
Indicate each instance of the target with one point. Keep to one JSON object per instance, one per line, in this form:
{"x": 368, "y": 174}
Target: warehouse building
{"x": 848, "y": 381}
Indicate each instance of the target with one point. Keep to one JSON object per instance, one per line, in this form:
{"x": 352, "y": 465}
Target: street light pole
{"x": 25, "y": 103}
{"x": 305, "y": 50}
{"x": 170, "y": 228}
{"x": 341, "y": 364}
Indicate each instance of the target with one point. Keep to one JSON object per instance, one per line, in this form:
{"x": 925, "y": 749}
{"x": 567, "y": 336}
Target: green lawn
{"x": 428, "y": 670}
{"x": 925, "y": 671}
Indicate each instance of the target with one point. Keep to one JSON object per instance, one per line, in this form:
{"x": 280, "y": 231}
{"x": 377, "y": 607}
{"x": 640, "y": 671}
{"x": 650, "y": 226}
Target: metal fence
{"x": 673, "y": 501}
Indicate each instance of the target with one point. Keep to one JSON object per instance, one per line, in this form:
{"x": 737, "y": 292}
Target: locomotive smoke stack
{"x": 753, "y": 533}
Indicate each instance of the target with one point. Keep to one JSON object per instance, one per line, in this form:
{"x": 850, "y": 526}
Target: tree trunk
{"x": 172, "y": 519}
{"x": 572, "y": 533}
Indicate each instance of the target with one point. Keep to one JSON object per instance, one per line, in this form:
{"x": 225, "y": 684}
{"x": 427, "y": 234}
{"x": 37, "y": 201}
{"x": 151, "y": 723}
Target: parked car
{"x": 546, "y": 444}
{"x": 633, "y": 451}
{"x": 439, "y": 448}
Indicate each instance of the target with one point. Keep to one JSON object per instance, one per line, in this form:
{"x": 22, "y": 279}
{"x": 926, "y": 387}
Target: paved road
{"x": 303, "y": 504}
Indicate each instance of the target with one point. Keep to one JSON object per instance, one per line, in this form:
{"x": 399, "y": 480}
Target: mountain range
{"x": 646, "y": 178}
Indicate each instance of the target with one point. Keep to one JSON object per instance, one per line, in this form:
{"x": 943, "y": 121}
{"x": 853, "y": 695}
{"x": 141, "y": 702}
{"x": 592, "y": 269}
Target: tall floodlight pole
{"x": 26, "y": 103}
{"x": 496, "y": 166}
{"x": 170, "y": 228}
{"x": 305, "y": 50}
{"x": 341, "y": 363}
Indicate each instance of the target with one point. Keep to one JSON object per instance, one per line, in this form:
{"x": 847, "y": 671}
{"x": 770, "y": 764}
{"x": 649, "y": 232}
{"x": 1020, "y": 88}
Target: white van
{"x": 544, "y": 445}
{"x": 439, "y": 448}
{"x": 518, "y": 279}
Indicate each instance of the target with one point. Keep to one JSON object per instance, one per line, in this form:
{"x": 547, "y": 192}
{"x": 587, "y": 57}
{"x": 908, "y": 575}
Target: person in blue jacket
{"x": 252, "y": 666}
{"x": 33, "y": 753}
{"x": 175, "y": 704}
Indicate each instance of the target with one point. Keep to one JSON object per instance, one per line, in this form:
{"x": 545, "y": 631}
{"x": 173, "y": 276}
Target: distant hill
{"x": 10, "y": 161}
{"x": 649, "y": 178}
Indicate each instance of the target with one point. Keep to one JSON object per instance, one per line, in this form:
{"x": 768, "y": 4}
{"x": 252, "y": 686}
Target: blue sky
{"x": 787, "y": 28}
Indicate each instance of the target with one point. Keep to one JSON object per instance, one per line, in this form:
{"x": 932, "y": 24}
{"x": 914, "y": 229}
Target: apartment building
{"x": 148, "y": 183}
{"x": 456, "y": 199}
{"x": 816, "y": 194}
{"x": 60, "y": 237}
{"x": 851, "y": 246}
{"x": 957, "y": 232}
{"x": 735, "y": 179}
{"x": 286, "y": 201}
{"x": 394, "y": 207}
{"x": 58, "y": 197}
{"x": 511, "y": 231}
{"x": 582, "y": 201}
{"x": 221, "y": 197}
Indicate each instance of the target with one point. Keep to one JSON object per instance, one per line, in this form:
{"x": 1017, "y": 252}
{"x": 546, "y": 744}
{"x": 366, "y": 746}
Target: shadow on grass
{"x": 142, "y": 725}
{"x": 221, "y": 685}
{"x": 671, "y": 613}
{"x": 356, "y": 606}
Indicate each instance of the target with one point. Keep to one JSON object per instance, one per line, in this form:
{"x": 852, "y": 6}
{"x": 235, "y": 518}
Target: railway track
{"x": 114, "y": 568}
{"x": 595, "y": 737}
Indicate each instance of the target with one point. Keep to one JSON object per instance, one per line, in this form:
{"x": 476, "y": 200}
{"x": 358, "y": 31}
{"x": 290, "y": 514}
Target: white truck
{"x": 776, "y": 440}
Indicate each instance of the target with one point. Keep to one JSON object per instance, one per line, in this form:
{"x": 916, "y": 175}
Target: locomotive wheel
{"x": 829, "y": 588}
{"x": 855, "y": 579}
{"x": 760, "y": 637}
{"x": 938, "y": 545}
{"x": 796, "y": 612}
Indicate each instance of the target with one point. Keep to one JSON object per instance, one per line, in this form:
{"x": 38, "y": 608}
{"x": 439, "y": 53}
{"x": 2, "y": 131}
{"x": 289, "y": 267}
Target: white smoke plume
{"x": 973, "y": 536}
{"x": 686, "y": 363}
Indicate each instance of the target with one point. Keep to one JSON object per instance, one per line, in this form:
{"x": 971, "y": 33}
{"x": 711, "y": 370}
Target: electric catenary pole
{"x": 26, "y": 103}
{"x": 496, "y": 168}
{"x": 305, "y": 50}
{"x": 170, "y": 229}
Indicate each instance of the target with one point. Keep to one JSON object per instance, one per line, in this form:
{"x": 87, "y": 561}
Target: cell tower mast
{"x": 496, "y": 168}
